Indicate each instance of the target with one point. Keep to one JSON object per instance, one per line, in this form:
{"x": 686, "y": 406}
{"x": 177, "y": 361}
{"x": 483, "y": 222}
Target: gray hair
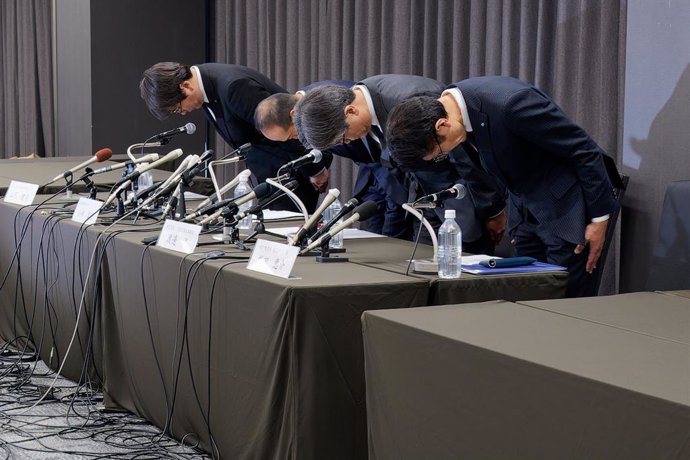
{"x": 320, "y": 116}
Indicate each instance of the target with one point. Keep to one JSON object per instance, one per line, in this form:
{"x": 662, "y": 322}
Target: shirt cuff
{"x": 601, "y": 219}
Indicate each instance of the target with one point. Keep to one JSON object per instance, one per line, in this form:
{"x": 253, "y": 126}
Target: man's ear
{"x": 186, "y": 86}
{"x": 351, "y": 110}
{"x": 292, "y": 113}
{"x": 441, "y": 123}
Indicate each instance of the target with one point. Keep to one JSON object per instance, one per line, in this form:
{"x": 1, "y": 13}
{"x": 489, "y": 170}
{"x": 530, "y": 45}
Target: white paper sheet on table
{"x": 348, "y": 233}
{"x": 271, "y": 215}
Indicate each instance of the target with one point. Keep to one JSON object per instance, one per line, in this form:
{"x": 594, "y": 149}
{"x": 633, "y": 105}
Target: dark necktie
{"x": 472, "y": 151}
{"x": 385, "y": 156}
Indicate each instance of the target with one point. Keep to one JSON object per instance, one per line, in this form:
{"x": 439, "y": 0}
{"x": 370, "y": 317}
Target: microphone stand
{"x": 424, "y": 266}
{"x": 325, "y": 256}
{"x": 90, "y": 184}
{"x": 231, "y": 234}
{"x": 259, "y": 227}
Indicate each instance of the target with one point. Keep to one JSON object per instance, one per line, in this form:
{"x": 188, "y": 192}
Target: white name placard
{"x": 179, "y": 236}
{"x": 21, "y": 193}
{"x": 273, "y": 258}
{"x": 86, "y": 211}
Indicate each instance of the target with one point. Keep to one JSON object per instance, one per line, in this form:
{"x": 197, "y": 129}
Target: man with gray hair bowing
{"x": 331, "y": 115}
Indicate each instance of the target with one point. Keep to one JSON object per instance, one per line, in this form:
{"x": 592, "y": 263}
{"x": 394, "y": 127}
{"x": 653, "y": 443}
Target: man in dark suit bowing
{"x": 228, "y": 95}
{"x": 374, "y": 182}
{"x": 560, "y": 192}
{"x": 332, "y": 115}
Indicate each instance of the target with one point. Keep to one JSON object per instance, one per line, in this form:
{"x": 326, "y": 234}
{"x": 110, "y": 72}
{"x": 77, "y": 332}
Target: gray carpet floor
{"x": 70, "y": 423}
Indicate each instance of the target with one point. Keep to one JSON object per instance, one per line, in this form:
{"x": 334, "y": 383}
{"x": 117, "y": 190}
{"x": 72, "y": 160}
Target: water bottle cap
{"x": 449, "y": 214}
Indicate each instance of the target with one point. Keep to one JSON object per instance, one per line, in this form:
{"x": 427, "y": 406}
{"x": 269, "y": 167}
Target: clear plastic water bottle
{"x": 145, "y": 179}
{"x": 449, "y": 247}
{"x": 242, "y": 189}
{"x": 335, "y": 242}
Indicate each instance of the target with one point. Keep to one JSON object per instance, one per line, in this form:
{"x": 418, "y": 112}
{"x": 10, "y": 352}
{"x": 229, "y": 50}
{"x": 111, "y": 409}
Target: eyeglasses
{"x": 178, "y": 109}
{"x": 442, "y": 155}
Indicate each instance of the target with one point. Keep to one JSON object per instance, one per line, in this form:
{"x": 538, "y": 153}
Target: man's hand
{"x": 595, "y": 234}
{"x": 320, "y": 181}
{"x": 496, "y": 226}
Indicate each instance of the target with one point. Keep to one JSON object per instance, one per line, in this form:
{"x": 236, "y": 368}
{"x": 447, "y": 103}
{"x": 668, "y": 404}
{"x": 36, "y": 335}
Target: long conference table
{"x": 602, "y": 377}
{"x": 251, "y": 365}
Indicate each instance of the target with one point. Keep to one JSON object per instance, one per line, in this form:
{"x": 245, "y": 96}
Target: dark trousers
{"x": 533, "y": 240}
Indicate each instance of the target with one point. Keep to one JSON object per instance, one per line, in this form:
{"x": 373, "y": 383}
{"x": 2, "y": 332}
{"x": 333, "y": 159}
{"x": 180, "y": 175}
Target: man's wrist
{"x": 600, "y": 219}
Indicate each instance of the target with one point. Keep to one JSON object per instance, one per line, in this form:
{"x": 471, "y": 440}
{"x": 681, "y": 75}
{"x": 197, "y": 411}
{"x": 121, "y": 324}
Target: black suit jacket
{"x": 485, "y": 200}
{"x": 234, "y": 91}
{"x": 550, "y": 165}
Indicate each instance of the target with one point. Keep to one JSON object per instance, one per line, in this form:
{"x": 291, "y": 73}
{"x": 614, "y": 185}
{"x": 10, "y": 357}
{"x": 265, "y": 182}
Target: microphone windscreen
{"x": 190, "y": 128}
{"x": 366, "y": 210}
{"x": 262, "y": 190}
{"x": 462, "y": 191}
{"x": 103, "y": 154}
{"x": 317, "y": 155}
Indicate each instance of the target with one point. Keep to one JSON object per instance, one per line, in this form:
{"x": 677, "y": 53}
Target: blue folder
{"x": 478, "y": 269}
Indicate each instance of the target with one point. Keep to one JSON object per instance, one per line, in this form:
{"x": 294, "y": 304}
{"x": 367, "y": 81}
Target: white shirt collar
{"x": 370, "y": 106}
{"x": 197, "y": 74}
{"x": 457, "y": 94}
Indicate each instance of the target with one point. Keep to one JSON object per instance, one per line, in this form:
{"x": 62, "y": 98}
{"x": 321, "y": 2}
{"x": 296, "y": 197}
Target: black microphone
{"x": 457, "y": 191}
{"x": 312, "y": 157}
{"x": 260, "y": 191}
{"x": 362, "y": 213}
{"x": 189, "y": 128}
{"x": 199, "y": 167}
{"x": 347, "y": 207}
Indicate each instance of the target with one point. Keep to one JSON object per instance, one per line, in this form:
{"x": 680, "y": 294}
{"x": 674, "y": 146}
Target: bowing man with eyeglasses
{"x": 229, "y": 94}
{"x": 374, "y": 182}
{"x": 331, "y": 115}
{"x": 560, "y": 191}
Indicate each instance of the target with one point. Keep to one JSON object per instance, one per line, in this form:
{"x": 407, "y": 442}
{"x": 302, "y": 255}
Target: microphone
{"x": 302, "y": 232}
{"x": 259, "y": 192}
{"x": 200, "y": 166}
{"x": 457, "y": 191}
{"x": 175, "y": 154}
{"x": 242, "y": 151}
{"x": 347, "y": 207}
{"x": 362, "y": 213}
{"x": 145, "y": 159}
{"x": 263, "y": 203}
{"x": 189, "y": 128}
{"x": 101, "y": 155}
{"x": 172, "y": 182}
{"x": 312, "y": 157}
{"x": 225, "y": 188}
